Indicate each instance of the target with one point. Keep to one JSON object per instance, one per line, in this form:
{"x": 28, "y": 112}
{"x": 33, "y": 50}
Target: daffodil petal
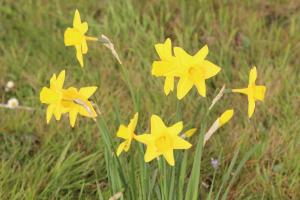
{"x": 49, "y": 96}
{"x": 201, "y": 87}
{"x": 201, "y": 54}
{"x": 76, "y": 20}
{"x": 79, "y": 55}
{"x": 49, "y": 114}
{"x": 150, "y": 154}
{"x": 169, "y": 84}
{"x": 70, "y": 93}
{"x": 210, "y": 69}
{"x": 156, "y": 124}
{"x": 87, "y": 92}
{"x": 84, "y": 47}
{"x": 120, "y": 148}
{"x": 251, "y": 106}
{"x": 72, "y": 116}
{"x": 83, "y": 27}
{"x": 169, "y": 156}
{"x": 176, "y": 128}
{"x": 60, "y": 79}
{"x": 133, "y": 122}
{"x": 127, "y": 145}
{"x": 183, "y": 87}
{"x": 164, "y": 50}
{"x": 180, "y": 143}
{"x": 163, "y": 68}
{"x": 123, "y": 132}
{"x": 52, "y": 80}
{"x": 181, "y": 54}
{"x": 252, "y": 76}
{"x": 72, "y": 37}
{"x": 57, "y": 112}
{"x": 144, "y": 138}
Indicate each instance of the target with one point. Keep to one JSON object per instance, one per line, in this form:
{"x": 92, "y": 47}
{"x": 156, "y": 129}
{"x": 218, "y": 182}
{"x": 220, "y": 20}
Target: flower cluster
{"x": 175, "y": 63}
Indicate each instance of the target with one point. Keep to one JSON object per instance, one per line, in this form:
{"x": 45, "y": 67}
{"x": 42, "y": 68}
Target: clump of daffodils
{"x": 174, "y": 64}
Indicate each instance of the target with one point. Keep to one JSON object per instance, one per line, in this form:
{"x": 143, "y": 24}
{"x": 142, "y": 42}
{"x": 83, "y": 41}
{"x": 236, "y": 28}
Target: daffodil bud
{"x": 225, "y": 117}
{"x": 190, "y": 132}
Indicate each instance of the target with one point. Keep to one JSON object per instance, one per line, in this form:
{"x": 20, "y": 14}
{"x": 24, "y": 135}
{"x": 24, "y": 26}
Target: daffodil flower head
{"x": 163, "y": 140}
{"x": 53, "y": 96}
{"x": 253, "y": 91}
{"x": 75, "y": 36}
{"x": 69, "y": 100}
{"x": 127, "y": 133}
{"x": 193, "y": 70}
{"x": 166, "y": 66}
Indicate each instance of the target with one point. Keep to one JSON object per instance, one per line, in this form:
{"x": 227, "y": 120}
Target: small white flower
{"x": 12, "y": 103}
{"x": 9, "y": 85}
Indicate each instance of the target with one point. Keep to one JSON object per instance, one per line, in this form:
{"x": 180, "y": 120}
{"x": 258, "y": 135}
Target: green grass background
{"x": 54, "y": 161}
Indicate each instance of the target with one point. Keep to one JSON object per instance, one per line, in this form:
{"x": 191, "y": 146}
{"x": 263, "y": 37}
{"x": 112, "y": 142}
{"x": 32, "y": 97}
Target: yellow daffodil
{"x": 69, "y": 100}
{"x": 76, "y": 37}
{"x": 162, "y": 140}
{"x": 127, "y": 133}
{"x": 253, "y": 91}
{"x": 53, "y": 97}
{"x": 166, "y": 66}
{"x": 193, "y": 70}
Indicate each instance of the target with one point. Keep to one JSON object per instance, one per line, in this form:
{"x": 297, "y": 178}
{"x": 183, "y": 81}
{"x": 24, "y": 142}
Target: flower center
{"x": 196, "y": 73}
{"x": 163, "y": 143}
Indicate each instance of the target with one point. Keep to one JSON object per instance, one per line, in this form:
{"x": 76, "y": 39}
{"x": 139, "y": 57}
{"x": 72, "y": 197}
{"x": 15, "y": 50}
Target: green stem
{"x": 227, "y": 91}
{"x": 109, "y": 148}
